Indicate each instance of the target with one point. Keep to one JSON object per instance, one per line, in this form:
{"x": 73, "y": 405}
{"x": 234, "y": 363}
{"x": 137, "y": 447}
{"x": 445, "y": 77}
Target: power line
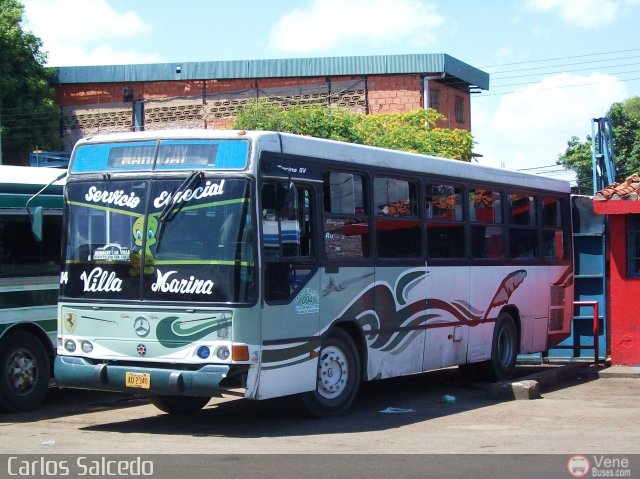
{"x": 563, "y": 71}
{"x": 569, "y": 64}
{"x": 562, "y": 58}
{"x": 559, "y": 87}
{"x": 529, "y": 83}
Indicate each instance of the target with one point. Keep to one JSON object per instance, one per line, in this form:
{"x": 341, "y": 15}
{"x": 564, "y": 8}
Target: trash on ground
{"x": 397, "y": 410}
{"x": 448, "y": 399}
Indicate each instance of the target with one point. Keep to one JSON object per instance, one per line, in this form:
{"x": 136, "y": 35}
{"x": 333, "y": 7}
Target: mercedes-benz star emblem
{"x": 141, "y": 326}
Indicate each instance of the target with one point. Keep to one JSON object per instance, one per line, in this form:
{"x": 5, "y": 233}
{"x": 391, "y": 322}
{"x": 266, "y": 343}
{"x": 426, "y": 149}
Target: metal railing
{"x": 596, "y": 331}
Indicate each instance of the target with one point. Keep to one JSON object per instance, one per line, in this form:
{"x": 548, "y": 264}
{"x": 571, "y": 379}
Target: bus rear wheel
{"x": 179, "y": 404}
{"x": 338, "y": 377}
{"x": 25, "y": 372}
{"x": 504, "y": 350}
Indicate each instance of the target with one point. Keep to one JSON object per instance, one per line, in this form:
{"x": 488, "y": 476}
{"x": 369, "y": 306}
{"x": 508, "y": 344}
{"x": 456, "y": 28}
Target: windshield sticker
{"x": 116, "y": 198}
{"x": 112, "y": 252}
{"x": 166, "y": 284}
{"x": 307, "y": 302}
{"x": 100, "y": 280}
{"x": 209, "y": 189}
{"x": 139, "y": 236}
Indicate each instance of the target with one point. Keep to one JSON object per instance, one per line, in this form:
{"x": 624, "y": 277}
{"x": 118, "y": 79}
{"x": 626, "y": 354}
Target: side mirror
{"x": 292, "y": 201}
{"x": 287, "y": 201}
{"x": 36, "y": 223}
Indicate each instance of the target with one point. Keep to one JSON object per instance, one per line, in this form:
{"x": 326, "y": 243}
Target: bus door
{"x": 448, "y": 308}
{"x": 291, "y": 297}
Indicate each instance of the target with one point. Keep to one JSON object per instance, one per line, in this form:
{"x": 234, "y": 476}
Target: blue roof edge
{"x": 277, "y": 68}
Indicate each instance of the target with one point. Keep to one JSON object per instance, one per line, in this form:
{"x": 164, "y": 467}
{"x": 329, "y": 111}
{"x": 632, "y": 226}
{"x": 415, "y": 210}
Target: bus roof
{"x": 27, "y": 175}
{"x": 299, "y": 145}
{"x": 18, "y": 184}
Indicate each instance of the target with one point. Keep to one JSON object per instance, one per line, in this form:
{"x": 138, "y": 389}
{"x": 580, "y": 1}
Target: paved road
{"x": 586, "y": 415}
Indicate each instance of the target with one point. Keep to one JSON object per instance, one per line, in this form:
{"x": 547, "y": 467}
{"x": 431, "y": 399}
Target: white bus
{"x": 29, "y": 272}
{"x": 198, "y": 260}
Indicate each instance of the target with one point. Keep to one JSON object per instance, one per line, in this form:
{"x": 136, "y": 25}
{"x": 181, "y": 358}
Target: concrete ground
{"x": 396, "y": 428}
{"x": 579, "y": 409}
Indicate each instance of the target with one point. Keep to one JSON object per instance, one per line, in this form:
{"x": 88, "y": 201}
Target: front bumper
{"x": 75, "y": 372}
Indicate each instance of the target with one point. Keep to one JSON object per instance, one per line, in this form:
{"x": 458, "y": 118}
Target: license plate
{"x": 137, "y": 380}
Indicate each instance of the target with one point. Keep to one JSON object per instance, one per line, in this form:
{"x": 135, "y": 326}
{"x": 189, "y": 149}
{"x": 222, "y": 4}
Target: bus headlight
{"x": 86, "y": 346}
{"x": 70, "y": 345}
{"x": 223, "y": 353}
{"x": 204, "y": 352}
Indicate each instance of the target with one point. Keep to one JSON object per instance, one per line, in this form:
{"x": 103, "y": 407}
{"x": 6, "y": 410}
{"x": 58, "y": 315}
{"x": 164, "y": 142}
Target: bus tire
{"x": 504, "y": 350}
{"x": 25, "y": 372}
{"x": 338, "y": 377}
{"x": 179, "y": 404}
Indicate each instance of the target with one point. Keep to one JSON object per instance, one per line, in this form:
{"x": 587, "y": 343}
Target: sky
{"x": 553, "y": 64}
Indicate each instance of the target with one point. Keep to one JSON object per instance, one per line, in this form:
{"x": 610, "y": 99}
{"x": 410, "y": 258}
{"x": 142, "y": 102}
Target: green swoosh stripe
{"x": 172, "y": 333}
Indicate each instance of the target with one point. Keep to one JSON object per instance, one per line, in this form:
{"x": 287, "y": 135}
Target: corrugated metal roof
{"x": 278, "y": 68}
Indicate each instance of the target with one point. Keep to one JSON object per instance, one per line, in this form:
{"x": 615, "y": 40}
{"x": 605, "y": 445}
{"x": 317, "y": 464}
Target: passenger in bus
{"x": 397, "y": 208}
{"x": 483, "y": 205}
{"x": 444, "y": 206}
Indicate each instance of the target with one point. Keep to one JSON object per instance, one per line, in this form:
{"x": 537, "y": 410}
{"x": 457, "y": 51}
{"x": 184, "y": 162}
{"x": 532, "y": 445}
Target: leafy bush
{"x": 413, "y": 132}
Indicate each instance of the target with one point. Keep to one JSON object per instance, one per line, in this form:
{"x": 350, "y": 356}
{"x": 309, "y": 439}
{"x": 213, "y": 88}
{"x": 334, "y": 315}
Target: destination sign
{"x": 160, "y": 155}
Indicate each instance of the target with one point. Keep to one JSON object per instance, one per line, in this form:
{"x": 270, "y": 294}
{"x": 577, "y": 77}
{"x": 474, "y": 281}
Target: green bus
{"x": 29, "y": 283}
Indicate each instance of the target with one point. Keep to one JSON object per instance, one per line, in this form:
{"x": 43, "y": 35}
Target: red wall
{"x": 624, "y": 294}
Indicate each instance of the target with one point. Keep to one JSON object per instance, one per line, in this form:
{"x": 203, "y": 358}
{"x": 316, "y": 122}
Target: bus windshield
{"x": 166, "y": 239}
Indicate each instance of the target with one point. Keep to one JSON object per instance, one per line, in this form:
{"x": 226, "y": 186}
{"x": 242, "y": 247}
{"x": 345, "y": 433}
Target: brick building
{"x": 116, "y": 98}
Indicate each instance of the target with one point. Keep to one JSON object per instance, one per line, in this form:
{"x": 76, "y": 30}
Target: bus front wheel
{"x": 25, "y": 372}
{"x": 338, "y": 377}
{"x": 504, "y": 350}
{"x": 179, "y": 404}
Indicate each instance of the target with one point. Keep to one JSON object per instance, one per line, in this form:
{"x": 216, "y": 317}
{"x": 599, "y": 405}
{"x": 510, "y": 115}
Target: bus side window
{"x": 445, "y": 222}
{"x": 485, "y": 212}
{"x": 346, "y": 219}
{"x": 398, "y": 232}
{"x": 523, "y": 231}
{"x": 553, "y": 229}
{"x": 21, "y": 254}
{"x": 287, "y": 238}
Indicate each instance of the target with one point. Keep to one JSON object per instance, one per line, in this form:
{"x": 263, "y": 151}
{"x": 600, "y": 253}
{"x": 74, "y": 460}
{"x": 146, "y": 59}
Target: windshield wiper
{"x": 171, "y": 209}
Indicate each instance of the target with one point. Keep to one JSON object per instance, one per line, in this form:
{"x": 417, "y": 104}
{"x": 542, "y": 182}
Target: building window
{"x": 633, "y": 270}
{"x": 434, "y": 99}
{"x": 460, "y": 118}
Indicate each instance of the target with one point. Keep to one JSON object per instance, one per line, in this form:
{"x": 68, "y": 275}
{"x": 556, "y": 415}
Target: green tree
{"x": 414, "y": 131}
{"x": 625, "y": 119}
{"x": 29, "y": 116}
